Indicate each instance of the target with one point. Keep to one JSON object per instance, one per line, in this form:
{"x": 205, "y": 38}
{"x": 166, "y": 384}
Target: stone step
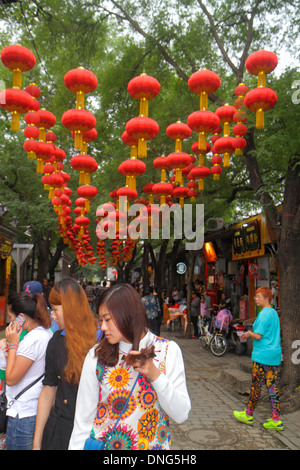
{"x": 237, "y": 380}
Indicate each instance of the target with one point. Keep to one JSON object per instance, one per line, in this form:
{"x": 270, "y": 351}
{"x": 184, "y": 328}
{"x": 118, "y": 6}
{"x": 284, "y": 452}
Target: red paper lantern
{"x": 142, "y": 129}
{"x": 43, "y": 151}
{"x": 162, "y": 164}
{"x": 178, "y": 132}
{"x": 199, "y": 152}
{"x": 78, "y": 121}
{"x": 83, "y": 222}
{"x": 148, "y": 189}
{"x": 260, "y": 100}
{"x": 86, "y": 165}
{"x": 143, "y": 88}
{"x": 261, "y": 63}
{"x": 132, "y": 143}
{"x": 131, "y": 169}
{"x": 224, "y": 146}
{"x": 87, "y": 192}
{"x": 240, "y": 130}
{"x": 239, "y": 143}
{"x": 203, "y": 122}
{"x": 81, "y": 82}
{"x": 47, "y": 120}
{"x": 241, "y": 90}
{"x": 18, "y": 59}
{"x": 129, "y": 193}
{"x": 203, "y": 83}
{"x": 225, "y": 114}
{"x": 178, "y": 160}
{"x": 200, "y": 173}
{"x": 16, "y": 102}
{"x": 181, "y": 192}
{"x": 216, "y": 171}
{"x": 162, "y": 189}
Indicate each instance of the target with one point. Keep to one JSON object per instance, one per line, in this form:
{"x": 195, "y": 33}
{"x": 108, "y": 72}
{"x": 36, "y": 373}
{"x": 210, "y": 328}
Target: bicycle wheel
{"x": 218, "y": 345}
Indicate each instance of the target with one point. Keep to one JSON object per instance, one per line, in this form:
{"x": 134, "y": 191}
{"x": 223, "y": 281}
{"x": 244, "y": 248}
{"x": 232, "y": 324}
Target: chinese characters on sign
{"x": 246, "y": 238}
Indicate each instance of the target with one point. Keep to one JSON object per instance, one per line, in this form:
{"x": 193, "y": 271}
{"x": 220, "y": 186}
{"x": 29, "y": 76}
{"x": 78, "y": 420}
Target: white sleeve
{"x": 86, "y": 403}
{"x": 171, "y": 387}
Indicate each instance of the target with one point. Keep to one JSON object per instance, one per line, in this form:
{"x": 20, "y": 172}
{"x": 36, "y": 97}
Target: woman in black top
{"x": 64, "y": 359}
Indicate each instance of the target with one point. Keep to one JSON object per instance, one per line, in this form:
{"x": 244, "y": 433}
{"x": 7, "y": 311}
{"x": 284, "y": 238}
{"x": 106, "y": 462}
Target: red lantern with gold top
{"x": 239, "y": 143}
{"x": 200, "y": 173}
{"x": 203, "y": 83}
{"x": 79, "y": 121}
{"x": 260, "y": 100}
{"x": 178, "y": 132}
{"x": 161, "y": 163}
{"x": 178, "y": 160}
{"x": 203, "y": 122}
{"x": 224, "y": 146}
{"x": 18, "y": 59}
{"x": 261, "y": 63}
{"x": 47, "y": 120}
{"x": 132, "y": 168}
{"x": 225, "y": 114}
{"x": 216, "y": 170}
{"x": 148, "y": 189}
{"x": 143, "y": 88}
{"x": 86, "y": 165}
{"x": 43, "y": 151}
{"x": 81, "y": 82}
{"x": 16, "y": 102}
{"x": 181, "y": 192}
{"x": 163, "y": 190}
{"x": 132, "y": 143}
{"x": 142, "y": 129}
{"x": 87, "y": 192}
{"x": 199, "y": 152}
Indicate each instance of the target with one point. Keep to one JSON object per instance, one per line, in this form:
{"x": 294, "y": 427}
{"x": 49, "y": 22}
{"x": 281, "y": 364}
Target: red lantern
{"x": 239, "y": 143}
{"x": 18, "y": 59}
{"x": 47, "y": 120}
{"x": 131, "y": 169}
{"x": 200, "y": 173}
{"x": 16, "y": 102}
{"x": 225, "y": 114}
{"x": 203, "y": 122}
{"x": 142, "y": 128}
{"x": 86, "y": 165}
{"x": 83, "y": 222}
{"x": 241, "y": 90}
{"x": 181, "y": 192}
{"x": 43, "y": 151}
{"x": 87, "y": 192}
{"x": 216, "y": 170}
{"x": 148, "y": 189}
{"x": 178, "y": 132}
{"x": 79, "y": 121}
{"x": 143, "y": 88}
{"x": 199, "y": 152}
{"x": 178, "y": 160}
{"x": 203, "y": 83}
{"x": 261, "y": 63}
{"x": 129, "y": 193}
{"x": 81, "y": 82}
{"x": 56, "y": 181}
{"x": 87, "y": 137}
{"x": 224, "y": 146}
{"x": 162, "y": 164}
{"x": 132, "y": 143}
{"x": 162, "y": 189}
{"x": 30, "y": 146}
{"x": 260, "y": 100}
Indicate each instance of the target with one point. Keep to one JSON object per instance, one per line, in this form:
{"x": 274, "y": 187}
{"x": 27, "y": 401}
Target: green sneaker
{"x": 277, "y": 425}
{"x": 243, "y": 417}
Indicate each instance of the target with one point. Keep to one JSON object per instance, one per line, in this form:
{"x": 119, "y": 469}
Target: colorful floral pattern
{"x": 144, "y": 425}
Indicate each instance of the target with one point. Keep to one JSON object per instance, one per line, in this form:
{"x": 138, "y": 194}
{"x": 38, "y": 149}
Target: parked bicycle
{"x": 210, "y": 337}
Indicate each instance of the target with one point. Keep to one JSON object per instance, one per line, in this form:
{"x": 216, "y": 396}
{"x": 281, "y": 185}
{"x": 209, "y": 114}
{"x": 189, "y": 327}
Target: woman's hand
{"x": 12, "y": 335}
{"x": 145, "y": 367}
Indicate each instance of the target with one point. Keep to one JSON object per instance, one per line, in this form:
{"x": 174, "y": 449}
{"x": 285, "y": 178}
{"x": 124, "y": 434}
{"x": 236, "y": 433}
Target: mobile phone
{"x": 19, "y": 322}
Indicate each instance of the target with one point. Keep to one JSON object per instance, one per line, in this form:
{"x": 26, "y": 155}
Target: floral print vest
{"x": 144, "y": 425}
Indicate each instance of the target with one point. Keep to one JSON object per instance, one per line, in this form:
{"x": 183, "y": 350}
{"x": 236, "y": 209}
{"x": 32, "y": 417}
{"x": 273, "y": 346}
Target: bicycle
{"x": 210, "y": 338}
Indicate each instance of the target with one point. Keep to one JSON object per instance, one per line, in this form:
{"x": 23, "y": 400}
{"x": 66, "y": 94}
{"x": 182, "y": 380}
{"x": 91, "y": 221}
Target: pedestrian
{"x": 64, "y": 359}
{"x": 153, "y": 309}
{"x": 203, "y": 306}
{"x": 266, "y": 355}
{"x": 195, "y": 312}
{"x": 25, "y": 367}
{"x": 111, "y": 368}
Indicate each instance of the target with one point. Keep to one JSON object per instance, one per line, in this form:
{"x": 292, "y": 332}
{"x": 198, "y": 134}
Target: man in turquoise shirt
{"x": 266, "y": 355}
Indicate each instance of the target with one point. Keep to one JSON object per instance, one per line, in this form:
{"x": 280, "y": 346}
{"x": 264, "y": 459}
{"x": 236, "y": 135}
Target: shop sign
{"x": 5, "y": 246}
{"x": 246, "y": 240}
{"x": 253, "y": 270}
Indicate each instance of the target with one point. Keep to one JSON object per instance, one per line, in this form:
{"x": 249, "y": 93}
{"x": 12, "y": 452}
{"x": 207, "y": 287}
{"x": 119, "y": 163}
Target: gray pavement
{"x": 215, "y": 393}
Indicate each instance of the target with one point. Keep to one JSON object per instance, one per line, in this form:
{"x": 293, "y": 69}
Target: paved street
{"x": 214, "y": 396}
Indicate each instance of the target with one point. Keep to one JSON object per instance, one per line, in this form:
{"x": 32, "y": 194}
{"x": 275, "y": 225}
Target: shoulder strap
{"x": 25, "y": 390}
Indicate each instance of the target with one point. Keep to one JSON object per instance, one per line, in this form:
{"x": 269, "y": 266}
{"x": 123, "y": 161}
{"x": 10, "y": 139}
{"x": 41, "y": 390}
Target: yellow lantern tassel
{"x": 80, "y": 100}
{"x": 144, "y": 107}
{"x": 202, "y": 141}
{"x": 260, "y": 119}
{"x": 226, "y": 159}
{"x": 39, "y": 165}
{"x": 151, "y": 199}
{"x": 77, "y": 140}
{"x": 81, "y": 178}
{"x": 133, "y": 151}
{"x": 192, "y": 199}
{"x": 51, "y": 193}
{"x": 162, "y": 200}
{"x": 261, "y": 79}
{"x": 200, "y": 185}
{"x": 17, "y": 78}
{"x": 178, "y": 145}
{"x": 84, "y": 148}
{"x": 31, "y": 155}
{"x": 178, "y": 175}
{"x": 216, "y": 177}
{"x": 87, "y": 178}
{"x": 181, "y": 201}
{"x": 238, "y": 152}
{"x": 226, "y": 129}
{"x": 163, "y": 175}
{"x": 201, "y": 159}
{"x": 142, "y": 148}
{"x": 203, "y": 100}
{"x": 87, "y": 204}
{"x": 15, "y": 121}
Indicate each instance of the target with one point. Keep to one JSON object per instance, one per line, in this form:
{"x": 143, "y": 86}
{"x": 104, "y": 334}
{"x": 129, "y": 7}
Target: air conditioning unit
{"x": 214, "y": 224}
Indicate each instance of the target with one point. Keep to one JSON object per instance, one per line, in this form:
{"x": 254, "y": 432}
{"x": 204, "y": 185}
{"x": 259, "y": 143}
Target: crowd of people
{"x": 86, "y": 364}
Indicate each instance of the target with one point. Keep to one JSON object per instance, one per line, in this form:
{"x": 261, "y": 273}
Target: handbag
{"x": 94, "y": 444}
{"x": 4, "y": 406}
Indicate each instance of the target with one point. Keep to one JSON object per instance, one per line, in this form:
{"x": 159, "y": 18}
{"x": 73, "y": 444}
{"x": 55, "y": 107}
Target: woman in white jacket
{"x": 109, "y": 371}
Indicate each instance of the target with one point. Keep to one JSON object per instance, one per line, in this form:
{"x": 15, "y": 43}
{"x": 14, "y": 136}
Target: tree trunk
{"x": 191, "y": 267}
{"x": 289, "y": 270}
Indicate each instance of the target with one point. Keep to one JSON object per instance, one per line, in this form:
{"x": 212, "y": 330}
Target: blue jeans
{"x": 19, "y": 433}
